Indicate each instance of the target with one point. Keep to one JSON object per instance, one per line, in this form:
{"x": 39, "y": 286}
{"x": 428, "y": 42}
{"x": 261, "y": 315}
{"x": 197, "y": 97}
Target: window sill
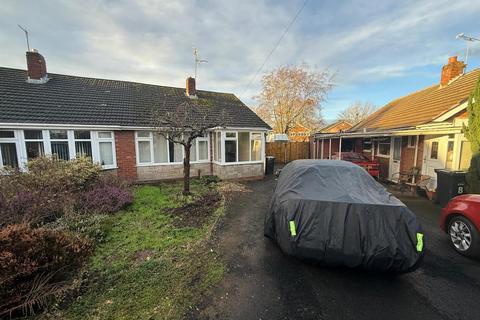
{"x": 240, "y": 163}
{"x": 169, "y": 163}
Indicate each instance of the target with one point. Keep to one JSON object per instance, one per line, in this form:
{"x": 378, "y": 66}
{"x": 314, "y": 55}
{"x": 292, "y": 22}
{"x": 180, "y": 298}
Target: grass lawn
{"x": 147, "y": 266}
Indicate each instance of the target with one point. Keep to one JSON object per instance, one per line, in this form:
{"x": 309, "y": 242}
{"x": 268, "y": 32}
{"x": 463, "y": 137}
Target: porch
{"x": 406, "y": 156}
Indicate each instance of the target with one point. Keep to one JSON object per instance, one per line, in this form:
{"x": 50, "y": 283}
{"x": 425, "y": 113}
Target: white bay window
{"x": 238, "y": 147}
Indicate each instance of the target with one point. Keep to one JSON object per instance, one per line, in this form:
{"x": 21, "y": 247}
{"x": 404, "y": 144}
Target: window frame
{"x": 437, "y": 144}
{"x": 380, "y": 142}
{"x": 11, "y": 140}
{"x": 411, "y": 141}
{"x": 83, "y": 140}
{"x": 21, "y": 141}
{"x": 26, "y": 140}
{"x": 363, "y": 145}
{"x": 152, "y": 163}
{"x": 223, "y": 136}
{"x": 96, "y": 140}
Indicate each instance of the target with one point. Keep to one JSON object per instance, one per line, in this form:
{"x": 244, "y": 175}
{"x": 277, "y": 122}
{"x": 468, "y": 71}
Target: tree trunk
{"x": 186, "y": 170}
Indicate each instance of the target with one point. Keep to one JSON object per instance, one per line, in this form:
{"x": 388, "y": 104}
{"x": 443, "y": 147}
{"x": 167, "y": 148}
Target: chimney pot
{"x": 452, "y": 70}
{"x": 452, "y": 59}
{"x": 190, "y": 89}
{"x": 36, "y": 67}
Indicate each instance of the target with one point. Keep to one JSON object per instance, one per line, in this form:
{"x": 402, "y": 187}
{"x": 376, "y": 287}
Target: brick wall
{"x": 125, "y": 150}
{"x": 171, "y": 171}
{"x": 239, "y": 171}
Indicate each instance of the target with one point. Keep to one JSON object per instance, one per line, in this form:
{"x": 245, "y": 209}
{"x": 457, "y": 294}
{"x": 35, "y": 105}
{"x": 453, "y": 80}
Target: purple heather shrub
{"x": 105, "y": 199}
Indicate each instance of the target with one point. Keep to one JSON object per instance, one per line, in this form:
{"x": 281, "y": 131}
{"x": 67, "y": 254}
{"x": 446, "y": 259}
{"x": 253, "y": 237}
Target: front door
{"x": 434, "y": 157}
{"x": 395, "y": 160}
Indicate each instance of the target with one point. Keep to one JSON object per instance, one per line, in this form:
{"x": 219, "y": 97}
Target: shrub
{"x": 473, "y": 175}
{"x": 35, "y": 264}
{"x": 104, "y": 199}
{"x": 46, "y": 191}
{"x": 208, "y": 180}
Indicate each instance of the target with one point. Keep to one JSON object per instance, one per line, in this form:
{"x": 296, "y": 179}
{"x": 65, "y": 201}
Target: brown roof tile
{"x": 421, "y": 106}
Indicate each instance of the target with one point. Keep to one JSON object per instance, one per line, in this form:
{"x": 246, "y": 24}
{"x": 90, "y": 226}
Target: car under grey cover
{"x": 333, "y": 212}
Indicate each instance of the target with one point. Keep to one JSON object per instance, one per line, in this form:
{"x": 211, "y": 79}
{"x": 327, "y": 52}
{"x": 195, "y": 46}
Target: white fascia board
{"x": 451, "y": 112}
{"x": 49, "y": 125}
{"x": 20, "y": 125}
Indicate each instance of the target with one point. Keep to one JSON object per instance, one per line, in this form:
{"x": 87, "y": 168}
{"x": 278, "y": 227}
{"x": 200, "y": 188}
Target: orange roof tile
{"x": 422, "y": 106}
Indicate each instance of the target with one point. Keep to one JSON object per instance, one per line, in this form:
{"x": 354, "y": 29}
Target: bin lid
{"x": 450, "y": 172}
{"x": 270, "y": 157}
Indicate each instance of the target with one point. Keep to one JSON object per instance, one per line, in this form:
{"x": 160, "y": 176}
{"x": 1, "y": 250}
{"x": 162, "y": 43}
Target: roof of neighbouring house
{"x": 336, "y": 127}
{"x": 76, "y": 100}
{"x": 422, "y": 106}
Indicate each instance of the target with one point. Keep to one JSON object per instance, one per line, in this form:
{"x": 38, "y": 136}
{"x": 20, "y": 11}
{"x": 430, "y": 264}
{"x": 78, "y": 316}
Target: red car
{"x": 359, "y": 159}
{"x": 460, "y": 218}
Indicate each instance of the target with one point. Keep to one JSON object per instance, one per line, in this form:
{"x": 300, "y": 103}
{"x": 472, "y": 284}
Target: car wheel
{"x": 464, "y": 236}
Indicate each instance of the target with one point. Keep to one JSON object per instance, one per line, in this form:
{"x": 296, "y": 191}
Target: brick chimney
{"x": 191, "y": 91}
{"x": 451, "y": 70}
{"x": 37, "y": 68}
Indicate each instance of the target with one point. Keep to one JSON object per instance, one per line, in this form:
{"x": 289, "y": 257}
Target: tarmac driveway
{"x": 262, "y": 283}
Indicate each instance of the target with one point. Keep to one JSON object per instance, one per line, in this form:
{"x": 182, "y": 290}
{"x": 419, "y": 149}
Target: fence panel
{"x": 285, "y": 152}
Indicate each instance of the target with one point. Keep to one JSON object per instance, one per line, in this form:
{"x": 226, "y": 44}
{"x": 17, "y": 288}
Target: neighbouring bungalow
{"x": 417, "y": 133}
{"x": 299, "y": 133}
{"x": 110, "y": 121}
{"x": 337, "y": 126}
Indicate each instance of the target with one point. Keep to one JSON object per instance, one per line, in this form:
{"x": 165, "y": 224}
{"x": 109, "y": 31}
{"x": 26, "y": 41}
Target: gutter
{"x": 436, "y": 128}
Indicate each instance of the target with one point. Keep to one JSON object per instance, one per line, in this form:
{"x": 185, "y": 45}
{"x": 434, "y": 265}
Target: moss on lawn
{"x": 145, "y": 268}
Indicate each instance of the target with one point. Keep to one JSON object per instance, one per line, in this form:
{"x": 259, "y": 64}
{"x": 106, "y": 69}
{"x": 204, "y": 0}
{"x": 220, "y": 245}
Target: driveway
{"x": 262, "y": 283}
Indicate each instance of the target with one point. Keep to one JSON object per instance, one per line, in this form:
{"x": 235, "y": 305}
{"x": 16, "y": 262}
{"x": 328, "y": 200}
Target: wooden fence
{"x": 288, "y": 151}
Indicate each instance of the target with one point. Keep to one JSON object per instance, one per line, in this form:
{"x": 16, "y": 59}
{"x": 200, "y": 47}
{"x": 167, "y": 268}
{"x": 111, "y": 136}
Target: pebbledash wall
{"x": 127, "y": 167}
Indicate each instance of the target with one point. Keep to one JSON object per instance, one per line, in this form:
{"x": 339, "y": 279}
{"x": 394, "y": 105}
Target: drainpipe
{"x": 330, "y": 149}
{"x": 373, "y": 149}
{"x": 416, "y": 156}
{"x": 321, "y": 151}
{"x": 340, "y": 148}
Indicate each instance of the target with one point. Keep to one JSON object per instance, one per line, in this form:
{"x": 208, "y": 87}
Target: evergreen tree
{"x": 472, "y": 132}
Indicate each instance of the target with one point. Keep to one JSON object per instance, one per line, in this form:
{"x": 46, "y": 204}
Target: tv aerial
{"x": 197, "y": 60}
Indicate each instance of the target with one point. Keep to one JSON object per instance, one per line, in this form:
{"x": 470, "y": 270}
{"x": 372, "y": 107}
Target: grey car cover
{"x": 333, "y": 212}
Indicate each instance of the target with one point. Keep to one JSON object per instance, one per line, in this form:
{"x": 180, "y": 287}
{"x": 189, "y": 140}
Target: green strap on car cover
{"x": 419, "y": 242}
{"x": 293, "y": 229}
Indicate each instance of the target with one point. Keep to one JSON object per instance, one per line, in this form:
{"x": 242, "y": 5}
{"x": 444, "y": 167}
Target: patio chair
{"x": 405, "y": 179}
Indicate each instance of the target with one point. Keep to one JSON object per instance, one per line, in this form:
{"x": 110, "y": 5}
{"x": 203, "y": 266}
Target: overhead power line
{"x": 275, "y": 46}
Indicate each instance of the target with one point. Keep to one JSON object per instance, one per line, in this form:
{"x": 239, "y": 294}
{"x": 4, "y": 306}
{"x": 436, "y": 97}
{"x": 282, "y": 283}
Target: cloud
{"x": 151, "y": 41}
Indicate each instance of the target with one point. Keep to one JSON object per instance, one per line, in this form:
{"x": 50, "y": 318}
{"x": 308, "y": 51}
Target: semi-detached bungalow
{"x": 417, "y": 133}
{"x": 111, "y": 122}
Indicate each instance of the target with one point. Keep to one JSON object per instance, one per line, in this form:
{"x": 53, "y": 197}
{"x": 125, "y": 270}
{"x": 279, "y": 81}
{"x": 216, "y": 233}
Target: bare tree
{"x": 182, "y": 126}
{"x": 292, "y": 95}
{"x": 356, "y": 112}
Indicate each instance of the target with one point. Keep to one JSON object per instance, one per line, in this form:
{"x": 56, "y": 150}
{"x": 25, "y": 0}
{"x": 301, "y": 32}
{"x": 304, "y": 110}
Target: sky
{"x": 378, "y": 50}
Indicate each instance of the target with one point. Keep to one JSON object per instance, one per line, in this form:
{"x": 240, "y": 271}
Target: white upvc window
{"x": 83, "y": 143}
{"x": 153, "y": 148}
{"x": 231, "y": 146}
{"x": 255, "y": 146}
{"x": 59, "y": 144}
{"x": 34, "y": 143}
{"x": 384, "y": 147}
{"x": 66, "y": 144}
{"x": 104, "y": 149}
{"x": 238, "y": 147}
{"x": 8, "y": 149}
{"x": 199, "y": 149}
